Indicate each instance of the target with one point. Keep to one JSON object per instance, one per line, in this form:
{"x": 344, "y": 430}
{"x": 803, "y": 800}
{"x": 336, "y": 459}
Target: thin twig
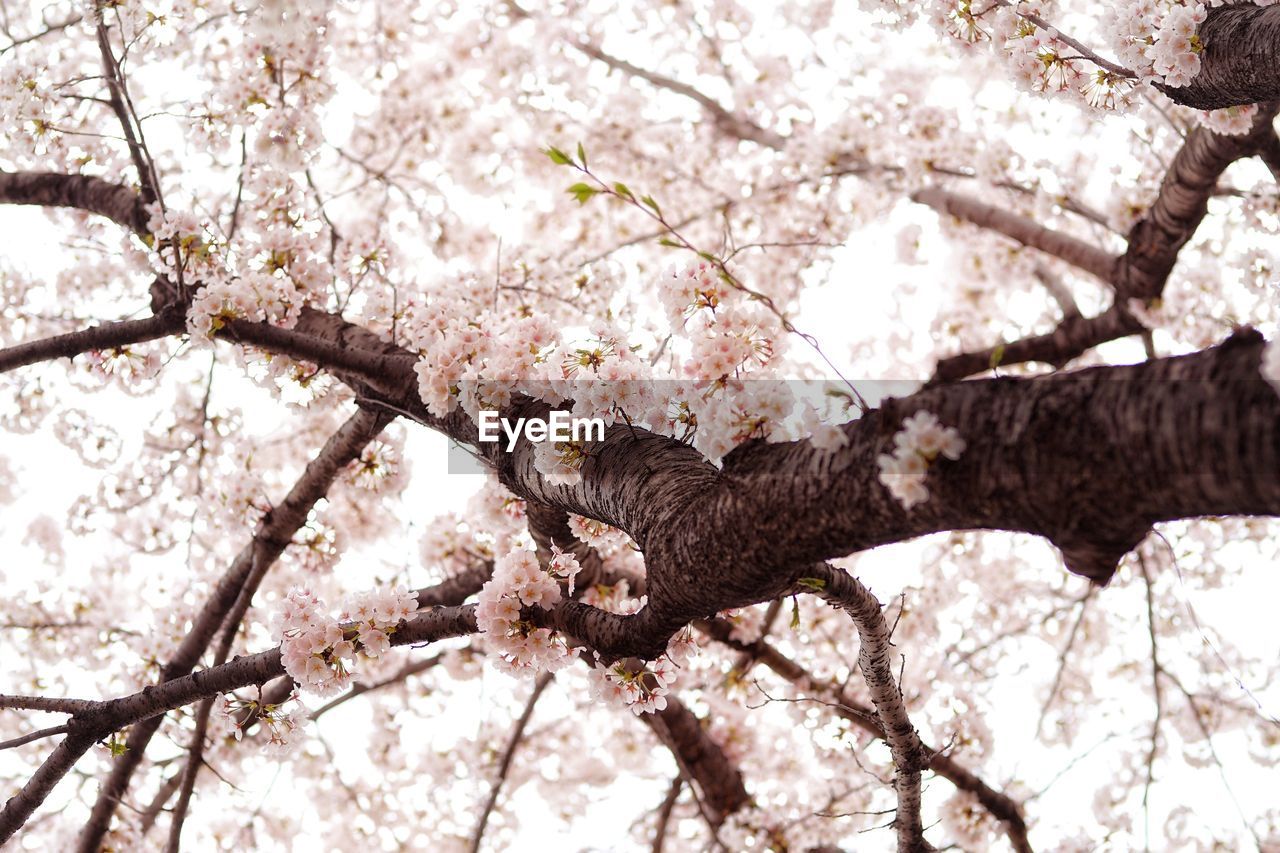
{"x": 504, "y": 766}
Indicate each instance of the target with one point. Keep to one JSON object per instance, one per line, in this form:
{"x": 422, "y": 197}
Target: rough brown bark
{"x": 1240, "y": 62}
{"x": 116, "y": 202}
{"x": 102, "y": 337}
{"x": 1089, "y": 460}
{"x": 719, "y": 780}
{"x": 1181, "y": 204}
{"x": 1073, "y": 336}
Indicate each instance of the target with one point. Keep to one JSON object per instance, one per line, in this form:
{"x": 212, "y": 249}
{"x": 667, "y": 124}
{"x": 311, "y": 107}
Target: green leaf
{"x": 707, "y": 256}
{"x": 795, "y": 614}
{"x": 582, "y": 192}
{"x": 621, "y": 189}
{"x": 647, "y": 201}
{"x": 812, "y": 583}
{"x": 582, "y": 155}
{"x": 997, "y": 356}
{"x": 558, "y": 157}
{"x": 668, "y": 242}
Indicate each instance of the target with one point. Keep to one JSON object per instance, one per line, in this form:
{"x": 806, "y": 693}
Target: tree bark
{"x": 1240, "y": 62}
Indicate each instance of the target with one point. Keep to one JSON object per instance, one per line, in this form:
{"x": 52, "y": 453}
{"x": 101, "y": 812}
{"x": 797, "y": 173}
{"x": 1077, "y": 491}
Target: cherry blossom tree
{"x": 930, "y": 346}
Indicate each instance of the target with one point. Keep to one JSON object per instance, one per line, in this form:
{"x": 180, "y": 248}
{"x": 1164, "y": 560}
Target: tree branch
{"x": 1000, "y": 805}
{"x": 91, "y": 725}
{"x": 448, "y": 593}
{"x": 273, "y": 535}
{"x": 728, "y": 122}
{"x": 841, "y": 590}
{"x": 1181, "y": 204}
{"x": 664, "y": 814}
{"x": 103, "y": 337}
{"x": 508, "y": 754}
{"x": 1144, "y": 267}
{"x": 50, "y": 704}
{"x": 718, "y": 778}
{"x": 116, "y": 202}
{"x": 1078, "y": 253}
{"x": 33, "y": 736}
{"x": 1023, "y": 471}
{"x": 1073, "y": 336}
{"x": 1240, "y": 62}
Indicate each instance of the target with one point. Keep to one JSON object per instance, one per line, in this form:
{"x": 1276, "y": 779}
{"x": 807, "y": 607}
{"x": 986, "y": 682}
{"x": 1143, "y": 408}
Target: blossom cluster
{"x": 319, "y": 651}
{"x": 233, "y": 713}
{"x": 921, "y": 440}
{"x": 560, "y": 462}
{"x": 613, "y": 598}
{"x": 597, "y": 534}
{"x": 1153, "y": 40}
{"x": 643, "y": 690}
{"x": 483, "y": 355}
{"x": 378, "y": 463}
{"x": 482, "y": 361}
{"x": 518, "y": 582}
{"x": 266, "y": 278}
{"x": 728, "y": 334}
{"x": 1161, "y": 46}
{"x": 1231, "y": 121}
{"x": 685, "y": 290}
{"x": 129, "y": 364}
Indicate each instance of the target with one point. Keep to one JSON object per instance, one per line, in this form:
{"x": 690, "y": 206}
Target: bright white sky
{"x": 865, "y": 280}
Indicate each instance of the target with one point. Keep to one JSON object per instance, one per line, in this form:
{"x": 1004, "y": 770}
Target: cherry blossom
{"x": 917, "y": 446}
{"x": 845, "y": 284}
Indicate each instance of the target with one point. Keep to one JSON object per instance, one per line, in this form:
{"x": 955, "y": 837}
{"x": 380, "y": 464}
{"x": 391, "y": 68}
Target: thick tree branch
{"x": 1023, "y": 471}
{"x": 116, "y": 202}
{"x": 1269, "y": 153}
{"x": 299, "y": 345}
{"x": 549, "y": 526}
{"x": 1140, "y": 272}
{"x": 1181, "y": 204}
{"x": 457, "y": 589}
{"x": 104, "y": 337}
{"x": 1073, "y": 336}
{"x": 719, "y": 780}
{"x": 1084, "y": 256}
{"x": 1240, "y": 62}
{"x": 1090, "y": 460}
